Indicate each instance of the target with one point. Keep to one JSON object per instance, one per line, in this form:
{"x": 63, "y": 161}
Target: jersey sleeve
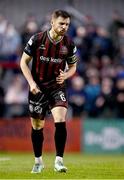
{"x": 72, "y": 56}
{"x": 31, "y": 46}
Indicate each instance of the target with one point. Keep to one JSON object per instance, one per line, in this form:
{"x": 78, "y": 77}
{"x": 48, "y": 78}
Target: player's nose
{"x": 64, "y": 27}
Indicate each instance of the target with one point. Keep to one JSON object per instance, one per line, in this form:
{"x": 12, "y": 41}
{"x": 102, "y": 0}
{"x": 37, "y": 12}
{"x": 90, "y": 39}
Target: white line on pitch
{"x": 4, "y": 158}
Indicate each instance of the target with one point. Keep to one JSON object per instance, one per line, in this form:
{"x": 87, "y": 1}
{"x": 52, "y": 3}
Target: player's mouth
{"x": 62, "y": 31}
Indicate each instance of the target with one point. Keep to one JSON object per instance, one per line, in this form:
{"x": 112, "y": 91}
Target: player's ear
{"x": 51, "y": 22}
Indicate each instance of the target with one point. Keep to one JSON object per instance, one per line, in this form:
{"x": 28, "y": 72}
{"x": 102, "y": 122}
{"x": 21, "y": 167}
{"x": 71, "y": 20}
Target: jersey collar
{"x": 54, "y": 42}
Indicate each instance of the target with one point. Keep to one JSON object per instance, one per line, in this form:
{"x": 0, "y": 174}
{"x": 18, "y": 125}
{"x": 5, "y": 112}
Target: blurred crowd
{"x": 97, "y": 88}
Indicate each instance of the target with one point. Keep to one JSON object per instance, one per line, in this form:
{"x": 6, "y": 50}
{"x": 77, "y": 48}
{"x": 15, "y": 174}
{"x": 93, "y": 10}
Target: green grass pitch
{"x": 80, "y": 166}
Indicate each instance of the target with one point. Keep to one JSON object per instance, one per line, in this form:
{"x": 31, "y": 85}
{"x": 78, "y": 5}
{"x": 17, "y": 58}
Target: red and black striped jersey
{"x": 49, "y": 56}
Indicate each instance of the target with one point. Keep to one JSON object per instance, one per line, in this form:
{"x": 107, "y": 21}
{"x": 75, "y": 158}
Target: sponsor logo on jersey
{"x": 50, "y": 59}
{"x": 42, "y": 46}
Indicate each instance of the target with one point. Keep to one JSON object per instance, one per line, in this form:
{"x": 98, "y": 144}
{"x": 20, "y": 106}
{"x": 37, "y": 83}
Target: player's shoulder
{"x": 70, "y": 44}
{"x": 68, "y": 40}
{"x": 38, "y": 36}
{"x": 41, "y": 33}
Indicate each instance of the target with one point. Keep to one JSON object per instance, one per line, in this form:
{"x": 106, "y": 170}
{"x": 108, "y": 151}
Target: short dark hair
{"x": 61, "y": 13}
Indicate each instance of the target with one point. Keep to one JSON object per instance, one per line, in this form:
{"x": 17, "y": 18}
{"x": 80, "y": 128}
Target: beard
{"x": 60, "y": 33}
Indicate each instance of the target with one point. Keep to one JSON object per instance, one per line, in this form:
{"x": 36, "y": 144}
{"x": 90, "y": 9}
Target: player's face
{"x": 60, "y": 25}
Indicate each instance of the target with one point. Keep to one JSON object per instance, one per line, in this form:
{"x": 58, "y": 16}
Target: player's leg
{"x": 37, "y": 109}
{"x": 59, "y": 115}
{"x": 37, "y": 142}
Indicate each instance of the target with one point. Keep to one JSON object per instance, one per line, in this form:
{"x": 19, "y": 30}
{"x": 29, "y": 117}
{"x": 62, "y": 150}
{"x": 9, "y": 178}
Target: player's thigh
{"x": 37, "y": 123}
{"x": 59, "y": 113}
{"x": 38, "y": 105}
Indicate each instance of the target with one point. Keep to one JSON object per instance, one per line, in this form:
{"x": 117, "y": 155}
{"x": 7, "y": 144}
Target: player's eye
{"x": 61, "y": 23}
{"x": 67, "y": 24}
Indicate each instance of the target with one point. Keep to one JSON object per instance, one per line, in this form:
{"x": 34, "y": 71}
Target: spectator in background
{"x": 2, "y": 103}
{"x": 119, "y": 94}
{"x": 92, "y": 91}
{"x": 77, "y": 96}
{"x": 29, "y": 18}
{"x": 80, "y": 42}
{"x": 16, "y": 97}
{"x": 3, "y": 24}
{"x": 107, "y": 68}
{"x": 105, "y": 101}
{"x": 102, "y": 44}
{"x": 121, "y": 56}
{"x": 72, "y": 28}
{"x": 90, "y": 35}
{"x": 29, "y": 28}
{"x": 121, "y": 45}
{"x": 10, "y": 44}
{"x": 116, "y": 23}
{"x": 45, "y": 24}
{"x": 91, "y": 71}
{"x": 81, "y": 49}
{"x": 121, "y": 37}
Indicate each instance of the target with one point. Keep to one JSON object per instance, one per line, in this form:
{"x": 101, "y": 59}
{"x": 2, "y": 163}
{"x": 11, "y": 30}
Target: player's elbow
{"x": 21, "y": 64}
{"x": 74, "y": 68}
{"x": 25, "y": 59}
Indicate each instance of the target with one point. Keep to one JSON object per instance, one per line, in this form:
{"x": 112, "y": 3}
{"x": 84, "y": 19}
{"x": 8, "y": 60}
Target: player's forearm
{"x": 70, "y": 72}
{"x": 27, "y": 74}
{"x": 26, "y": 71}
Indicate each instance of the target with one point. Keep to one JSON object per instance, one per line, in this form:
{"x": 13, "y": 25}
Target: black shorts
{"x": 42, "y": 102}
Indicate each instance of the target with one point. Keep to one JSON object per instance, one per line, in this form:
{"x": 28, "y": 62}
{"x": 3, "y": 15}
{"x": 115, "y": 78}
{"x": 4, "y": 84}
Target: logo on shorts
{"x": 31, "y": 108}
{"x": 38, "y": 109}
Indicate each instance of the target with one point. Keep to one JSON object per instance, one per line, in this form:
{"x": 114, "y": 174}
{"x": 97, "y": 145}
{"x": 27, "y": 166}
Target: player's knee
{"x": 37, "y": 124}
{"x": 59, "y": 120}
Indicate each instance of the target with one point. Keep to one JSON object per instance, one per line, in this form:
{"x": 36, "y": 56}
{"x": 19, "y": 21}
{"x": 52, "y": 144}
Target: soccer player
{"x": 50, "y": 52}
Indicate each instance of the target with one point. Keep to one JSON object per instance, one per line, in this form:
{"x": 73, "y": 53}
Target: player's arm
{"x": 65, "y": 75}
{"x": 71, "y": 70}
{"x": 24, "y": 64}
{"x": 72, "y": 62}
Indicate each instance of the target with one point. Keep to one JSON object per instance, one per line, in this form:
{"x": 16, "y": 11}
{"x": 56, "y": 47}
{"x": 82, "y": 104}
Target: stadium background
{"x": 90, "y": 129}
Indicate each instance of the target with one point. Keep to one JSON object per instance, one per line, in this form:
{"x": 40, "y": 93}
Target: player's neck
{"x": 54, "y": 36}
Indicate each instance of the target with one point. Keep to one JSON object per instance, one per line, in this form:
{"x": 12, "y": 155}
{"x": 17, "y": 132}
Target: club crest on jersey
{"x": 42, "y": 46}
{"x": 64, "y": 50}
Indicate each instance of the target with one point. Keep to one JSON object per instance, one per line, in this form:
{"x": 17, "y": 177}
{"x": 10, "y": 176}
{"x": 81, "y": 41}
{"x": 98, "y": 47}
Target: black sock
{"x": 60, "y": 138}
{"x": 37, "y": 141}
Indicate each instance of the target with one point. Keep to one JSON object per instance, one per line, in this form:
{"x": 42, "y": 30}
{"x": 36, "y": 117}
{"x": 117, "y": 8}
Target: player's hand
{"x": 61, "y": 77}
{"x": 34, "y": 88}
